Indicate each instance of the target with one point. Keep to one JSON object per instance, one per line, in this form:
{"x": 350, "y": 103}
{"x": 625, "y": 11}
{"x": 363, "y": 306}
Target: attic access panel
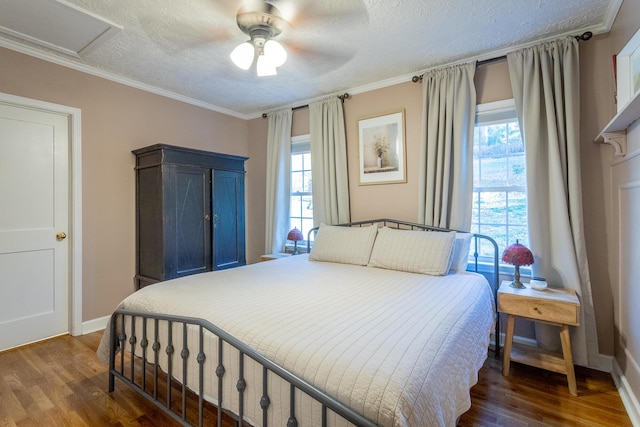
{"x": 55, "y": 24}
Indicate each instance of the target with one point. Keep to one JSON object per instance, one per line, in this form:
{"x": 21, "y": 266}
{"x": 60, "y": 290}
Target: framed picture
{"x": 382, "y": 149}
{"x": 628, "y": 71}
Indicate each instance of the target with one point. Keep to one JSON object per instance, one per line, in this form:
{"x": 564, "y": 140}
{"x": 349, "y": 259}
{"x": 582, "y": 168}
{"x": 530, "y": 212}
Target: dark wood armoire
{"x": 190, "y": 215}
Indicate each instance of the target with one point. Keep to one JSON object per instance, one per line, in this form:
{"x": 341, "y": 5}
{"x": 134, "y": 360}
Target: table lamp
{"x": 295, "y": 236}
{"x": 517, "y": 255}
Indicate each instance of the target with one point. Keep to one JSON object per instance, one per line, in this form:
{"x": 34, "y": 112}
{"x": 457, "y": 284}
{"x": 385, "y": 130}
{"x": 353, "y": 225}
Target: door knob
{"x": 61, "y": 236}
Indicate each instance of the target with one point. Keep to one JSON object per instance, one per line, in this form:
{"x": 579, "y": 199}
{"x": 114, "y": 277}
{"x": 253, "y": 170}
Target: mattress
{"x": 402, "y": 349}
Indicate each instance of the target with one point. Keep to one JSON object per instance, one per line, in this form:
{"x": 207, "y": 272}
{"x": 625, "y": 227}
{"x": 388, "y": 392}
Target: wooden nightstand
{"x": 269, "y": 257}
{"x": 558, "y": 307}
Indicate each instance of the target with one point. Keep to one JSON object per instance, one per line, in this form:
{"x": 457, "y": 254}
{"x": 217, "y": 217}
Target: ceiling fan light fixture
{"x": 275, "y": 52}
{"x": 265, "y": 66}
{"x": 243, "y": 55}
{"x": 261, "y": 21}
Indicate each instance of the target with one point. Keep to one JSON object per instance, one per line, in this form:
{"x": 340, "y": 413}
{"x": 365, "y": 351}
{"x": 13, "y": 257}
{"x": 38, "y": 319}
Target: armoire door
{"x": 188, "y": 209}
{"x": 228, "y": 219}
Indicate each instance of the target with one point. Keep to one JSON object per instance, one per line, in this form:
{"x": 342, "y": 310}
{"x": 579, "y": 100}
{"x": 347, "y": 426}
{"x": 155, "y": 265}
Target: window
{"x": 301, "y": 199}
{"x": 499, "y": 177}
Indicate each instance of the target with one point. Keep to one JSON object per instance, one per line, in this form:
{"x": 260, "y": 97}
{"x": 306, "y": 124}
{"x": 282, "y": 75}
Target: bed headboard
{"x": 491, "y": 273}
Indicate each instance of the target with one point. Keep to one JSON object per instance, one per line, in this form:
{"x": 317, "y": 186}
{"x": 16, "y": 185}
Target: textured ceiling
{"x": 181, "y": 48}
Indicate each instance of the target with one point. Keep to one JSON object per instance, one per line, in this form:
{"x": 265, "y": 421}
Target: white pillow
{"x": 413, "y": 251}
{"x": 346, "y": 245}
{"x": 460, "y": 256}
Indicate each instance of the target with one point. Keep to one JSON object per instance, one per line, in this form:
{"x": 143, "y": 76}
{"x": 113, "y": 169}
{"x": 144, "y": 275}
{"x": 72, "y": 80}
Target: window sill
{"x": 504, "y": 269}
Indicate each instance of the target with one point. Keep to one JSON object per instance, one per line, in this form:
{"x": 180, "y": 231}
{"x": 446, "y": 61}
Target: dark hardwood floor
{"x": 60, "y": 382}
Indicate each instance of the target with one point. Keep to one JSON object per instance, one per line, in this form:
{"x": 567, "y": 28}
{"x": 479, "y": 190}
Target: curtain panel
{"x": 546, "y": 89}
{"x": 329, "y": 162}
{"x": 278, "y": 180}
{"x": 445, "y": 186}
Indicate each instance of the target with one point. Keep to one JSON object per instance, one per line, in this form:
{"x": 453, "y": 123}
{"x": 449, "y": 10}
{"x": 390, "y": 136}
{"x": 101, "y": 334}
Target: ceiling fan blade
{"x": 303, "y": 13}
{"x": 318, "y": 60}
{"x": 198, "y": 23}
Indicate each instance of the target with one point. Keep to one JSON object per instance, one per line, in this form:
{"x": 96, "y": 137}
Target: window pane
{"x": 500, "y": 201}
{"x": 492, "y": 208}
{"x": 297, "y": 182}
{"x": 492, "y": 171}
{"x": 296, "y": 162}
{"x": 485, "y": 249}
{"x": 307, "y": 224}
{"x": 475, "y": 212}
{"x": 295, "y": 208}
{"x": 307, "y": 207}
{"x": 517, "y": 174}
{"x": 517, "y": 208}
{"x": 301, "y": 211}
{"x": 515, "y": 139}
{"x": 307, "y": 182}
{"x": 498, "y": 233}
{"x": 520, "y": 233}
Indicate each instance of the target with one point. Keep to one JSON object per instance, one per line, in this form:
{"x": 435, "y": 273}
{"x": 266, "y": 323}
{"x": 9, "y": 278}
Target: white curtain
{"x": 278, "y": 180}
{"x": 445, "y": 186}
{"x": 329, "y": 162}
{"x": 546, "y": 89}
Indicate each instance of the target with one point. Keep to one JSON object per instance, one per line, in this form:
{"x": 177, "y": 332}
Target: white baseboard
{"x": 95, "y": 325}
{"x": 629, "y": 399}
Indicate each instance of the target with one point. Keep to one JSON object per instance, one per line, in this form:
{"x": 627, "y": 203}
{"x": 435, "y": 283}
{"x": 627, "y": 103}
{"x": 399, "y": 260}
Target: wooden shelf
{"x": 615, "y": 133}
{"x": 534, "y": 356}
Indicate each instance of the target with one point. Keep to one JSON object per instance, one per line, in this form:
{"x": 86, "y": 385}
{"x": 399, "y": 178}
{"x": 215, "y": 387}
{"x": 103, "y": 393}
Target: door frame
{"x": 75, "y": 198}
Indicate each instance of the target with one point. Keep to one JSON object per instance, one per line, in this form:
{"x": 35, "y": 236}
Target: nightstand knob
{"x": 537, "y": 310}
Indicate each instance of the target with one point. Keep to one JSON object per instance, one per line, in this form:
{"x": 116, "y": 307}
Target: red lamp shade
{"x": 517, "y": 255}
{"x": 295, "y": 235}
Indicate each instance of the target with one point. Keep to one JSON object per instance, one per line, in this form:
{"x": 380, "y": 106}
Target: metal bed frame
{"x": 149, "y": 345}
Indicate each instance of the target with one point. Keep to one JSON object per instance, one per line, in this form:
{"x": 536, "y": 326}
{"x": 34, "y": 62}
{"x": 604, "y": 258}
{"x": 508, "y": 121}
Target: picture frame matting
{"x": 382, "y": 149}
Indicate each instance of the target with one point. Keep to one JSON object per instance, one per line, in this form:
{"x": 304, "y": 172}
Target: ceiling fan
{"x": 311, "y": 35}
{"x": 262, "y": 22}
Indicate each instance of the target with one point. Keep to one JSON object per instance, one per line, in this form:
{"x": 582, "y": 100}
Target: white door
{"x": 34, "y": 221}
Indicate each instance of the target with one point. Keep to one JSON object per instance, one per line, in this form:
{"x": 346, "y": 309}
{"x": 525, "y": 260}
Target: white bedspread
{"x": 402, "y": 349}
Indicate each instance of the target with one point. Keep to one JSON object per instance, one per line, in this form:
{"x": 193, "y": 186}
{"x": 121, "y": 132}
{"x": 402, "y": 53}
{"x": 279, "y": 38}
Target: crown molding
{"x": 45, "y": 56}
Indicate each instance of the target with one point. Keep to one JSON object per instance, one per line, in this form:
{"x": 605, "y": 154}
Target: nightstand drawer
{"x": 553, "y": 311}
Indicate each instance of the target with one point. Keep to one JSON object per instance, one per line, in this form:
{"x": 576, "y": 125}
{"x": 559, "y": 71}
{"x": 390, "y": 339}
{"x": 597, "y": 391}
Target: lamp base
{"x": 516, "y": 279}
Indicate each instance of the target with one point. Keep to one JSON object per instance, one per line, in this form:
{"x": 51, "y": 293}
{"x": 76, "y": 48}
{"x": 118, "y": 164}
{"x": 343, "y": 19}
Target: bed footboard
{"x": 154, "y": 354}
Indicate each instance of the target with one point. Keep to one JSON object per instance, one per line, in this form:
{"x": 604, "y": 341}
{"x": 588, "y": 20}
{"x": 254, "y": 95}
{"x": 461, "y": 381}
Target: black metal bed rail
{"x": 494, "y": 280}
{"x": 123, "y": 320}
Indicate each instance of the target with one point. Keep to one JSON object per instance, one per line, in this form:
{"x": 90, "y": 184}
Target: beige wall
{"x": 115, "y": 120}
{"x": 388, "y": 200}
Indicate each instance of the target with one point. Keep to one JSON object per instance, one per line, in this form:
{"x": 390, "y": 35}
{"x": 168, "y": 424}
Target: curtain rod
{"x": 582, "y": 37}
{"x": 300, "y": 107}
